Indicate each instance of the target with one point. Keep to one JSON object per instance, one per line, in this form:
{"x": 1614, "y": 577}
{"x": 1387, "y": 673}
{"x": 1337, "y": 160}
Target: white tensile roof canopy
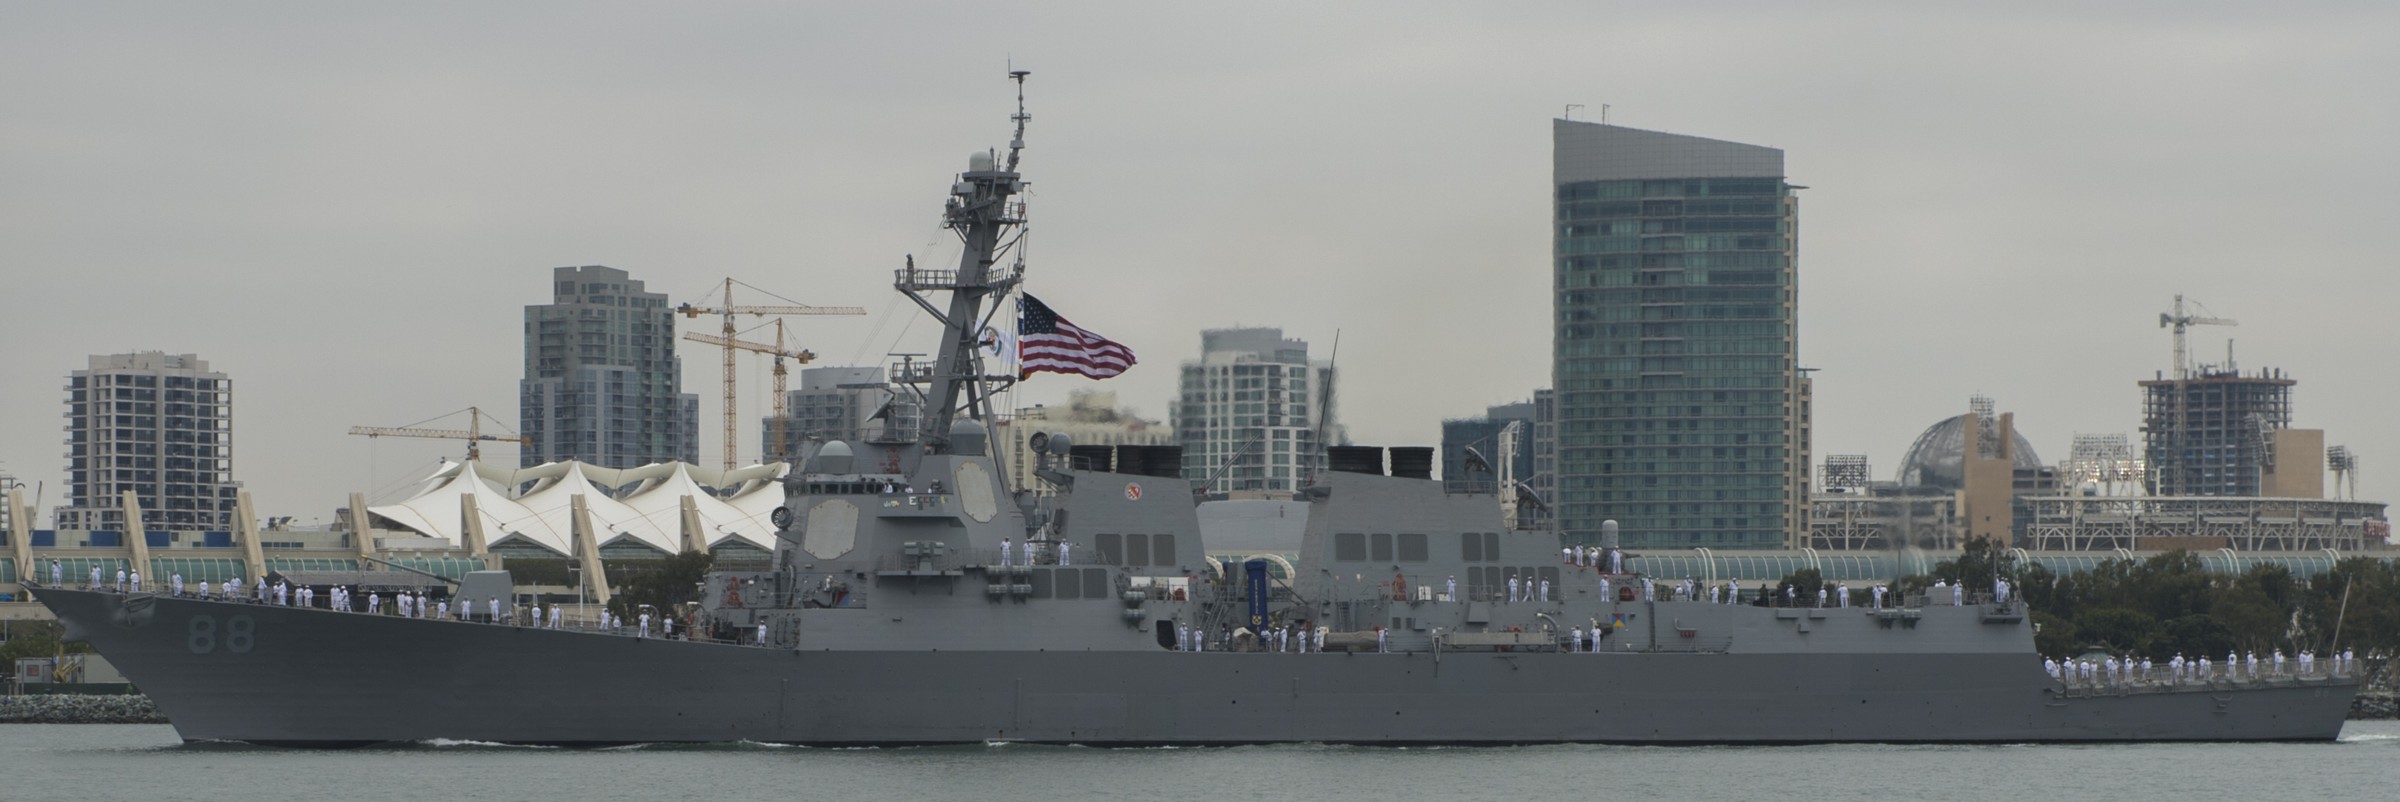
{"x": 633, "y": 506}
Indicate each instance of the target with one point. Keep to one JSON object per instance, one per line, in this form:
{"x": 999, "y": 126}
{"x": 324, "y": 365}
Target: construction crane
{"x": 780, "y": 353}
{"x": 473, "y": 434}
{"x": 2182, "y": 320}
{"x": 727, "y": 311}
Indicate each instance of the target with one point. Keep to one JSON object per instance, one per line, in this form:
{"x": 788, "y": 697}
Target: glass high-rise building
{"x": 602, "y": 382}
{"x": 1680, "y": 410}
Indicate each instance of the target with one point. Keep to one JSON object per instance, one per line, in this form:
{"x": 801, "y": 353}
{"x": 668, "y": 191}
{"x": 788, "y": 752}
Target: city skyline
{"x": 2003, "y": 199}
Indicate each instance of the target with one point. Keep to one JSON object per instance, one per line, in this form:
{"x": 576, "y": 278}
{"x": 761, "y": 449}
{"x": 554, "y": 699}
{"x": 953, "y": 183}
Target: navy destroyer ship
{"x": 917, "y": 597}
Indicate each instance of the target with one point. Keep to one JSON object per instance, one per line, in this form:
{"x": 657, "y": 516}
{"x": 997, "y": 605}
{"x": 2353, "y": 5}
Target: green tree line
{"x": 2171, "y": 604}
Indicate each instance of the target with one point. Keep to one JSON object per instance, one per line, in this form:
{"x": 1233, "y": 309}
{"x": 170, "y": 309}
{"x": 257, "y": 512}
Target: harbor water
{"x": 57, "y": 761}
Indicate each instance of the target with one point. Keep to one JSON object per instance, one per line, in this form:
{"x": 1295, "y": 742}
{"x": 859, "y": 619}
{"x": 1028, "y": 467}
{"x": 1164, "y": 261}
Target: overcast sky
{"x": 346, "y": 206}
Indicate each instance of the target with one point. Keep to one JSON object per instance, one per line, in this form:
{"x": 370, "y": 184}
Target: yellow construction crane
{"x": 473, "y": 434}
{"x": 728, "y": 342}
{"x": 802, "y": 356}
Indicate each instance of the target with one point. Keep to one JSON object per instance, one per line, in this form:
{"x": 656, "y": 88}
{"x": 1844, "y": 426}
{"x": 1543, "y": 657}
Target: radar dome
{"x": 833, "y": 457}
{"x": 968, "y": 437}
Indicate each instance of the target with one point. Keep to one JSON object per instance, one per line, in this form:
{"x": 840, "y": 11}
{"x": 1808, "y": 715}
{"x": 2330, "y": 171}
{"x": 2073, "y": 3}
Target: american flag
{"x": 1047, "y": 342}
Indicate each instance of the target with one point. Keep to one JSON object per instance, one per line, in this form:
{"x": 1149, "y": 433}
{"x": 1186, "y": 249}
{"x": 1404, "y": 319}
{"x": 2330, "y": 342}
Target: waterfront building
{"x": 1681, "y": 411}
{"x": 602, "y": 382}
{"x": 1248, "y": 418}
{"x": 157, "y": 424}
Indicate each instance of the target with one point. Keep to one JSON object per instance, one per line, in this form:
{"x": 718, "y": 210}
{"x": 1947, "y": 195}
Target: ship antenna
{"x": 1317, "y": 465}
{"x": 981, "y": 213}
{"x": 1017, "y": 143}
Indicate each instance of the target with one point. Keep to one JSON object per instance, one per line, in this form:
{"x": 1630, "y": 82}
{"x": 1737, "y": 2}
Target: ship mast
{"x": 989, "y": 224}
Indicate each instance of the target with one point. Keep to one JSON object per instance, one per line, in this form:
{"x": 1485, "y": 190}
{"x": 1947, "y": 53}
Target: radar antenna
{"x": 981, "y": 211}
{"x": 1016, "y": 143}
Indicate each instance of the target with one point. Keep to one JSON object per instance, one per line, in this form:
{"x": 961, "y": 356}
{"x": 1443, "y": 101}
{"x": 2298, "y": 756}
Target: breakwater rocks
{"x": 63, "y": 708}
{"x": 2375, "y": 705}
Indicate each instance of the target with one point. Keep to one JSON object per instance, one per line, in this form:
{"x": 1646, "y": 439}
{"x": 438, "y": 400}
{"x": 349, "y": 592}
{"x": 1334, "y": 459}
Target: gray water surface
{"x": 80, "y": 762}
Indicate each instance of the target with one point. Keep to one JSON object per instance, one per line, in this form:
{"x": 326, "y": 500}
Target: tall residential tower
{"x": 1681, "y": 412}
{"x": 155, "y": 423}
{"x": 1249, "y": 418}
{"x": 602, "y": 382}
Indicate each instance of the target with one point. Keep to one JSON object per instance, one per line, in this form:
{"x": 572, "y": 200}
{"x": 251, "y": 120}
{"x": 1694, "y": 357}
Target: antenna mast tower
{"x": 990, "y": 224}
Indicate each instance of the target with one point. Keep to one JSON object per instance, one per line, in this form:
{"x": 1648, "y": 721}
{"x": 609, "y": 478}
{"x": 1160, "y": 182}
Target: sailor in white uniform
{"x": 1452, "y": 589}
{"x": 1183, "y": 637}
{"x": 1062, "y": 553}
{"x": 492, "y": 604}
{"x": 137, "y": 581}
{"x": 645, "y": 631}
{"x": 1028, "y": 545}
{"x": 1575, "y": 639}
{"x": 1545, "y": 590}
{"x": 1379, "y": 644}
{"x": 120, "y": 580}
{"x": 1512, "y": 589}
{"x": 57, "y": 575}
{"x": 762, "y": 633}
{"x": 1004, "y": 544}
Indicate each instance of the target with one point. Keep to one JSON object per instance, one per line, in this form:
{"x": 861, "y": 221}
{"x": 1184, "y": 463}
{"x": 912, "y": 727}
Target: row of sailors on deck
{"x": 1007, "y": 546}
{"x": 1526, "y": 589}
{"x": 2243, "y": 666}
{"x": 1609, "y": 561}
{"x": 1295, "y": 638}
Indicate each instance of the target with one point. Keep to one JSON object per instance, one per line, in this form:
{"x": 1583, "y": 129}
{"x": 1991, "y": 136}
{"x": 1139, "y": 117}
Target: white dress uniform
{"x": 645, "y": 632}
{"x": 1545, "y": 590}
{"x": 1453, "y": 588}
{"x": 137, "y": 581}
{"x": 1004, "y": 550}
{"x": 120, "y": 579}
{"x": 1512, "y": 590}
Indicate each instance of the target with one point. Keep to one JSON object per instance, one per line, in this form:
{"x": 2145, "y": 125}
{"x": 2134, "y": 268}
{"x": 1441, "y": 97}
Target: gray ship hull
{"x": 313, "y": 677}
